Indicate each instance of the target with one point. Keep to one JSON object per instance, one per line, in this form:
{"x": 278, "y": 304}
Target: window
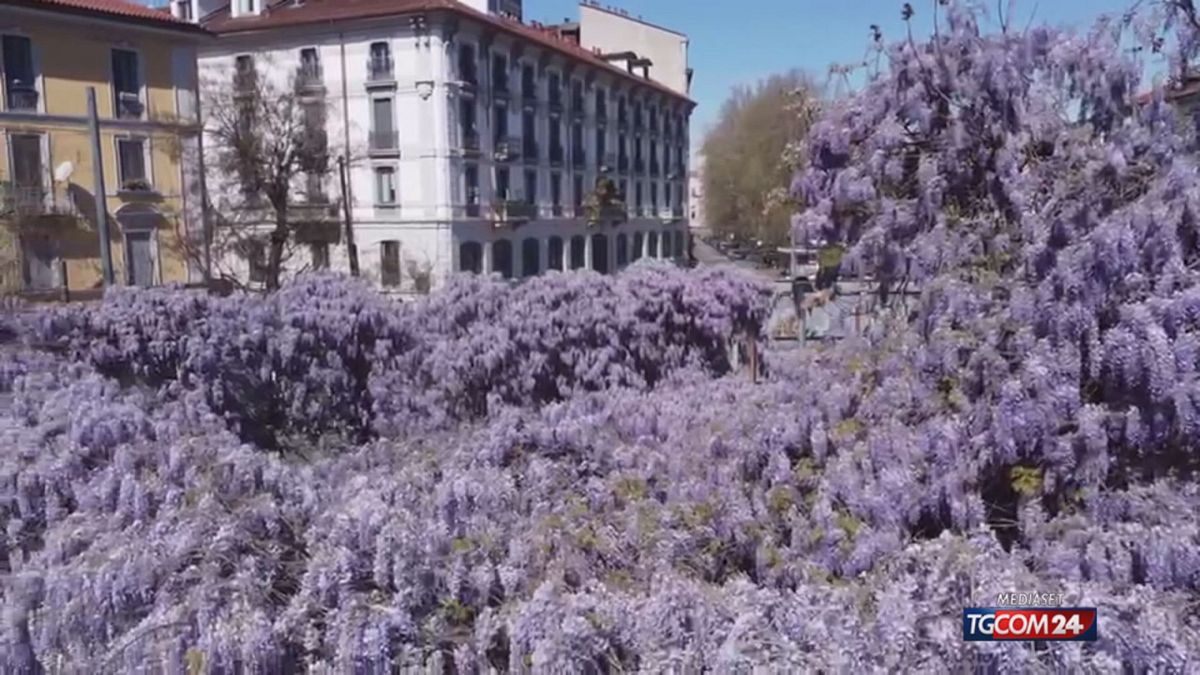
{"x": 470, "y": 257}
{"x": 502, "y": 184}
{"x": 622, "y": 250}
{"x": 578, "y": 252}
{"x": 245, "y": 77}
{"x": 385, "y": 185}
{"x": 320, "y": 255}
{"x": 529, "y": 134}
{"x": 502, "y": 258}
{"x": 601, "y": 104}
{"x": 389, "y": 263}
{"x": 531, "y": 187}
{"x": 554, "y": 253}
{"x": 471, "y": 179}
{"x": 556, "y": 192}
{"x": 654, "y": 196}
{"x": 20, "y": 80}
{"x": 500, "y": 119}
{"x": 131, "y": 164}
{"x": 127, "y": 83}
{"x": 578, "y": 185}
{"x": 310, "y": 67}
{"x": 500, "y": 73}
{"x": 528, "y": 84}
{"x": 466, "y": 64}
{"x": 601, "y": 148}
{"x": 382, "y": 136}
{"x": 637, "y": 196}
{"x": 185, "y": 9}
{"x": 555, "y": 85}
{"x": 624, "y": 189}
{"x": 248, "y": 6}
{"x": 531, "y": 252}
{"x": 380, "y": 65}
{"x": 257, "y": 257}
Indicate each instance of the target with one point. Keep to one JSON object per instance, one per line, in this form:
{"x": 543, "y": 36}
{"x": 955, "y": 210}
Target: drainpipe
{"x": 347, "y": 189}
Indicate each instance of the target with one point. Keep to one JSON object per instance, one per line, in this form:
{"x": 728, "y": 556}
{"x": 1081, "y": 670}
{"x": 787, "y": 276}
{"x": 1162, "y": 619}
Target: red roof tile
{"x": 284, "y": 14}
{"x": 115, "y": 9}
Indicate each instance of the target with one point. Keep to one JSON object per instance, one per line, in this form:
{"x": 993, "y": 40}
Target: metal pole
{"x": 350, "y": 247}
{"x": 106, "y": 263}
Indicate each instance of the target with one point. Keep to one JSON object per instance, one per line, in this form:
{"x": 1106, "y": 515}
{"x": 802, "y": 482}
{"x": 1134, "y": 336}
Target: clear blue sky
{"x": 740, "y": 42}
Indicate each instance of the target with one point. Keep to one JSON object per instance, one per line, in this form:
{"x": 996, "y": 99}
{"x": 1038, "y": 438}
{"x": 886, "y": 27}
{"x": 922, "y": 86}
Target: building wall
{"x": 612, "y": 33}
{"x": 430, "y": 217}
{"x": 70, "y": 56}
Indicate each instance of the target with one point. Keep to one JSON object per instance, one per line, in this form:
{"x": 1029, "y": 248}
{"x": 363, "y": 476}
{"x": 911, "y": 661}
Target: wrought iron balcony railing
{"x": 32, "y": 201}
{"x": 383, "y": 141}
{"x": 513, "y": 211}
{"x": 310, "y": 76}
{"x": 22, "y": 98}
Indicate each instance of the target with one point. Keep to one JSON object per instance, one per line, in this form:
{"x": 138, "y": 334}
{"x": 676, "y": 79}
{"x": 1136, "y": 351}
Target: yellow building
{"x": 142, "y": 64}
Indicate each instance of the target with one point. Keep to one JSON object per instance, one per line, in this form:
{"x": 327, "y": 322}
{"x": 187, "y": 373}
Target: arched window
{"x": 502, "y": 258}
{"x": 639, "y": 241}
{"x": 578, "y": 261}
{"x": 666, "y": 245}
{"x": 555, "y": 250}
{"x": 679, "y": 237}
{"x": 470, "y": 257}
{"x": 652, "y": 246}
{"x": 531, "y": 251}
{"x": 600, "y": 253}
{"x": 622, "y": 250}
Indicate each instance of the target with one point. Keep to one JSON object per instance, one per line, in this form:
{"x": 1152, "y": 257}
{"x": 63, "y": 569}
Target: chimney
{"x": 646, "y": 70}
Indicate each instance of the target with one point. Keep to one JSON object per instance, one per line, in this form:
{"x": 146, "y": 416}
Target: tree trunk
{"x": 279, "y": 237}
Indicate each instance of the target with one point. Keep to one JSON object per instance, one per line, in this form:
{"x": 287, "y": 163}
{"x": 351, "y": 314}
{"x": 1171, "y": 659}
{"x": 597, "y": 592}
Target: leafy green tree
{"x": 750, "y": 157}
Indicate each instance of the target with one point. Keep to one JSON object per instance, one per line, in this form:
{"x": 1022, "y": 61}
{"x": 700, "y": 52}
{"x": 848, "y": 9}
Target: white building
{"x": 474, "y": 139}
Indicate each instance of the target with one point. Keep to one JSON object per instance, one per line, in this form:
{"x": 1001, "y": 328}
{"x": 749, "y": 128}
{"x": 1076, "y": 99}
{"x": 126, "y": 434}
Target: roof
{"x": 282, "y": 14}
{"x": 117, "y": 10}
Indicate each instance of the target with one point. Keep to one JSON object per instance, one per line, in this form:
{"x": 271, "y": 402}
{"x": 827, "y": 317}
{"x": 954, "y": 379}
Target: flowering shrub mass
{"x": 566, "y": 475}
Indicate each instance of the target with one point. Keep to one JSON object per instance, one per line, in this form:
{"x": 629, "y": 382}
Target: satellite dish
{"x": 63, "y": 171}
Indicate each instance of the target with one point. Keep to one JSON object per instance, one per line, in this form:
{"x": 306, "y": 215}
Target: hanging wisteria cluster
{"x": 567, "y": 476}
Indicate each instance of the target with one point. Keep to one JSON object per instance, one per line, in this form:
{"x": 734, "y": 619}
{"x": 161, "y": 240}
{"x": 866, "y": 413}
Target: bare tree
{"x": 749, "y": 156}
{"x": 270, "y": 148}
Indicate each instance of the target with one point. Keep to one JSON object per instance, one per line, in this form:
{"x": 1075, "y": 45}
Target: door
{"x": 38, "y": 263}
{"x": 139, "y": 251}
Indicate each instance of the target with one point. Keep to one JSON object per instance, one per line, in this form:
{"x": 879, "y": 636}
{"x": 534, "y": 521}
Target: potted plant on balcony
{"x": 605, "y": 204}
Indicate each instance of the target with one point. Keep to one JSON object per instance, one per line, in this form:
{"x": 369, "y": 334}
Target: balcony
{"x": 22, "y": 98}
{"x": 380, "y": 71}
{"x": 310, "y": 78}
{"x": 505, "y": 149}
{"x": 513, "y": 211}
{"x": 129, "y": 105}
{"x": 556, "y": 210}
{"x": 383, "y": 142}
{"x": 468, "y": 80}
{"x": 470, "y": 142}
{"x": 32, "y": 205}
{"x": 578, "y": 158}
{"x": 472, "y": 209}
{"x": 556, "y": 155}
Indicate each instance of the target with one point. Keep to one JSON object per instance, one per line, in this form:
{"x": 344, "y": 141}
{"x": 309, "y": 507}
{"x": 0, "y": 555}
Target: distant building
{"x": 142, "y": 63}
{"x": 483, "y": 136}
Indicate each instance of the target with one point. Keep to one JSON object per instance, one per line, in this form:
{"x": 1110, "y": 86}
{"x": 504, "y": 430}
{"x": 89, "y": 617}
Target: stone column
{"x": 587, "y": 249}
{"x": 487, "y": 257}
{"x": 543, "y": 255}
